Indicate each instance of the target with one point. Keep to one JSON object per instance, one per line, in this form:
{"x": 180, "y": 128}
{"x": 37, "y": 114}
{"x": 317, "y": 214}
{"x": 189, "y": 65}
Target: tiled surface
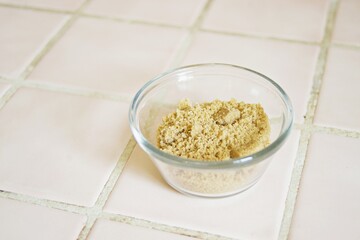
{"x": 109, "y": 56}
{"x": 264, "y": 203}
{"x": 61, "y": 5}
{"x": 25, "y": 221}
{"x": 107, "y": 230}
{"x": 302, "y": 20}
{"x": 23, "y": 34}
{"x": 60, "y": 140}
{"x": 60, "y": 147}
{"x": 291, "y": 65}
{"x": 328, "y": 201}
{"x": 347, "y": 25}
{"x": 181, "y": 13}
{"x": 339, "y": 97}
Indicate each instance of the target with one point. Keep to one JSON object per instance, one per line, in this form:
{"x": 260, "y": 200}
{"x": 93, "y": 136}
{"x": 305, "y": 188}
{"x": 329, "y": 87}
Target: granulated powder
{"x": 214, "y": 131}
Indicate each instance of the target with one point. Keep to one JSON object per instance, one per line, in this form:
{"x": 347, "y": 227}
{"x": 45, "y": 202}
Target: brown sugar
{"x": 214, "y": 131}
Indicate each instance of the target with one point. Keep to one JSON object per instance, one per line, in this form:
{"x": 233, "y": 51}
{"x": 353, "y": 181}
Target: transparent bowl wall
{"x": 204, "y": 83}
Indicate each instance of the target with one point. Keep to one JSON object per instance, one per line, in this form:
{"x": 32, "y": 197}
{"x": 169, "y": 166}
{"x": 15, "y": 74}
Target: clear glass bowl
{"x": 204, "y": 83}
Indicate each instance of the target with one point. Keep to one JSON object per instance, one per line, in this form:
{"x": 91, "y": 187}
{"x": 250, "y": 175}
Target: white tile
{"x": 339, "y": 95}
{"x": 297, "y": 19}
{"x": 254, "y": 214}
{"x": 25, "y": 221}
{"x": 109, "y": 56}
{"x": 290, "y": 65}
{"x": 181, "y": 13}
{"x": 23, "y": 35}
{"x": 347, "y": 28}
{"x": 60, "y": 147}
{"x": 328, "y": 200}
{"x": 104, "y": 230}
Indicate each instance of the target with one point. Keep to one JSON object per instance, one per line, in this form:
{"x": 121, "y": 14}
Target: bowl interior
{"x": 207, "y": 84}
{"x": 204, "y": 83}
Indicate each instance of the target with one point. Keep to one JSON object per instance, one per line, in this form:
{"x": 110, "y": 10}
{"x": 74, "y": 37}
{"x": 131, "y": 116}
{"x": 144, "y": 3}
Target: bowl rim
{"x": 192, "y": 163}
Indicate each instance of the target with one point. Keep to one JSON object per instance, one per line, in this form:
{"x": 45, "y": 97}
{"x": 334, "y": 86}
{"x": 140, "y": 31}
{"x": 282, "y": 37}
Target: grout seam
{"x": 188, "y": 39}
{"x": 335, "y": 131}
{"x": 260, "y": 37}
{"x": 79, "y": 91}
{"x": 5, "y": 79}
{"x": 67, "y": 207}
{"x": 110, "y": 184}
{"x": 305, "y": 135}
{"x": 6, "y": 96}
{"x": 161, "y": 227}
{"x": 354, "y": 46}
{"x": 97, "y": 209}
{"x": 35, "y": 8}
{"x": 130, "y": 21}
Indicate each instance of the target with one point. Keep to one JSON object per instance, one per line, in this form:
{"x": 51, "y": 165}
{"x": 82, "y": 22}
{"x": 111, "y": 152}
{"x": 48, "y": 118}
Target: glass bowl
{"x": 204, "y": 83}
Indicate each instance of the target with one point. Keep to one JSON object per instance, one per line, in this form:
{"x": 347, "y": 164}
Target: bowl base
{"x": 214, "y": 195}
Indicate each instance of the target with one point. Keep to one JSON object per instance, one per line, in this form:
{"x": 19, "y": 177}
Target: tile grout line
{"x": 6, "y": 96}
{"x": 354, "y": 46}
{"x": 321, "y": 62}
{"x": 5, "y": 79}
{"x": 334, "y": 131}
{"x": 35, "y": 8}
{"x": 306, "y": 132}
{"x": 97, "y": 209}
{"x": 78, "y": 91}
{"x": 259, "y": 37}
{"x": 161, "y": 227}
{"x": 63, "y": 206}
{"x": 129, "y": 20}
{"x": 188, "y": 39}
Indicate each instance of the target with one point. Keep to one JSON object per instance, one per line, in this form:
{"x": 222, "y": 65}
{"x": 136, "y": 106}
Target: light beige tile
{"x": 181, "y": 13}
{"x": 50, "y": 4}
{"x": 60, "y": 147}
{"x": 104, "y": 230}
{"x": 109, "y": 56}
{"x": 298, "y": 19}
{"x": 3, "y": 88}
{"x": 290, "y": 65}
{"x": 25, "y": 221}
{"x": 23, "y": 34}
{"x": 254, "y": 214}
{"x": 347, "y": 28}
{"x": 328, "y": 201}
{"x": 339, "y": 97}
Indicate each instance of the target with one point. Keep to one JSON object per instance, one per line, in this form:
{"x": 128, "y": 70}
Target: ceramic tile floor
{"x": 68, "y": 69}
